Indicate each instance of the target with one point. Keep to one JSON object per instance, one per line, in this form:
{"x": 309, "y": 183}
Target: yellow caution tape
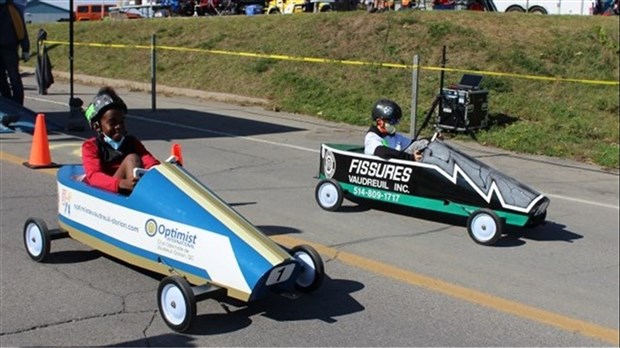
{"x": 346, "y": 62}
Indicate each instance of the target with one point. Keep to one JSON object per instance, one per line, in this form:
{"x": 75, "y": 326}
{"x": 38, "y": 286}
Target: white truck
{"x": 562, "y": 7}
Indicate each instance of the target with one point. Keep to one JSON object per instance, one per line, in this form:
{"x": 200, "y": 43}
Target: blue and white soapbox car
{"x": 174, "y": 225}
{"x": 446, "y": 180}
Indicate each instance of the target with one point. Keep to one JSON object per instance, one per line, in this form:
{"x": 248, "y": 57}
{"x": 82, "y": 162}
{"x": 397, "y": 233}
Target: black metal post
{"x": 443, "y": 65}
{"x": 75, "y": 104}
{"x": 71, "y": 49}
{"x": 415, "y": 82}
{"x": 441, "y": 78}
{"x": 153, "y": 74}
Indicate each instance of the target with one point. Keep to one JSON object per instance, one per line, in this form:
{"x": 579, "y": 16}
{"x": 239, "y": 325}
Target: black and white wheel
{"x": 177, "y": 303}
{"x": 484, "y": 227}
{"x": 538, "y": 10}
{"x": 515, "y": 8}
{"x": 313, "y": 270}
{"x": 328, "y": 194}
{"x": 37, "y": 239}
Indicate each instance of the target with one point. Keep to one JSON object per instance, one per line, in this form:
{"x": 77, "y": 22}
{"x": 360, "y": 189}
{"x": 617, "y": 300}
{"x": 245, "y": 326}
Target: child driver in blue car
{"x": 110, "y": 157}
{"x": 382, "y": 139}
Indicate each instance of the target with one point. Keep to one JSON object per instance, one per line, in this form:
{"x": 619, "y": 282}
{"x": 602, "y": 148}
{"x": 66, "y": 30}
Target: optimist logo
{"x": 171, "y": 234}
{"x": 151, "y": 227}
{"x": 329, "y": 164}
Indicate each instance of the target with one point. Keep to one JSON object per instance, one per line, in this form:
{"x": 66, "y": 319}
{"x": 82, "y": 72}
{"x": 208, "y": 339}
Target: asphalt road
{"x": 392, "y": 279}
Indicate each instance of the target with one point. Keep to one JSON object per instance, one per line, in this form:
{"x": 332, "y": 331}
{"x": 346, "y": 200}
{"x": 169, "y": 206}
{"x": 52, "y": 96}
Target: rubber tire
{"x": 538, "y": 10}
{"x": 37, "y": 239}
{"x": 171, "y": 290}
{"x": 321, "y": 195}
{"x": 490, "y": 221}
{"x": 515, "y": 9}
{"x": 313, "y": 271}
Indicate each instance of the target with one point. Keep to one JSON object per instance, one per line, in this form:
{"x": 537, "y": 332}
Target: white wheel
{"x": 177, "y": 303}
{"x": 36, "y": 239}
{"x": 484, "y": 227}
{"x": 313, "y": 270}
{"x": 328, "y": 195}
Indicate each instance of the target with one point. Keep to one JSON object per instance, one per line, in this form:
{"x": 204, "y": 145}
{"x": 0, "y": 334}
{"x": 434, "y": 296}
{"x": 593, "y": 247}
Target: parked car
{"x": 91, "y": 12}
{"x": 298, "y": 6}
{"x": 125, "y": 13}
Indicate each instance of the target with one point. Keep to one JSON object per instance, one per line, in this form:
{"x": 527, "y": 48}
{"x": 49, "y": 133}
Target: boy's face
{"x": 112, "y": 124}
{"x": 386, "y": 126}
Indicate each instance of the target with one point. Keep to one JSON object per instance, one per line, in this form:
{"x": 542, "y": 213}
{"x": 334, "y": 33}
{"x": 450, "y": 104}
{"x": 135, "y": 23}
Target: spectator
{"x": 13, "y": 34}
{"x": 476, "y": 5}
{"x": 444, "y": 4}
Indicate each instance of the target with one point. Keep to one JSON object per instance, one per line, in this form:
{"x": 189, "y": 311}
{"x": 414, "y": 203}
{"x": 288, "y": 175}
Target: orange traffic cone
{"x": 40, "y": 152}
{"x": 176, "y": 152}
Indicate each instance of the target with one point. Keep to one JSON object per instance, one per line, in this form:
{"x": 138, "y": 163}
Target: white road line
{"x": 226, "y": 134}
{"x": 578, "y": 200}
{"x": 47, "y": 101}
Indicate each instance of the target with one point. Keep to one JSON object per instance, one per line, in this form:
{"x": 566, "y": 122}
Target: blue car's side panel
{"x": 178, "y": 206}
{"x": 132, "y": 249}
{"x": 172, "y": 221}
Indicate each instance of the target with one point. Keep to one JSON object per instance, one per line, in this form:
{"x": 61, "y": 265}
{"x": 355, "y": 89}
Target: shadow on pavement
{"x": 272, "y": 230}
{"x": 513, "y": 235}
{"x": 164, "y": 124}
{"x": 166, "y": 340}
{"x": 178, "y": 124}
{"x": 331, "y": 300}
{"x": 72, "y": 256}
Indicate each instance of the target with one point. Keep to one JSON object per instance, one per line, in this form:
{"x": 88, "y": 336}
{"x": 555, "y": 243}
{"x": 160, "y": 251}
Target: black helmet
{"x": 386, "y": 109}
{"x": 105, "y": 100}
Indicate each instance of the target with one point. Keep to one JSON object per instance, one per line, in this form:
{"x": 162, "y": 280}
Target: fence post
{"x": 153, "y": 75}
{"x": 414, "y": 94}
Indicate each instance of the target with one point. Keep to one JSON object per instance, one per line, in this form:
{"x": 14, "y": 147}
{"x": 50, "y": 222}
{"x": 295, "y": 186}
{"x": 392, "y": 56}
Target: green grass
{"x": 572, "y": 120}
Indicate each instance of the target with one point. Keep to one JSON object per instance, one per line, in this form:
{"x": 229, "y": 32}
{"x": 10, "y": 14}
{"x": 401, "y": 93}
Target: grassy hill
{"x": 562, "y": 118}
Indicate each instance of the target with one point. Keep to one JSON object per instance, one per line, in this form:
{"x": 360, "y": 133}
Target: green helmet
{"x": 105, "y": 100}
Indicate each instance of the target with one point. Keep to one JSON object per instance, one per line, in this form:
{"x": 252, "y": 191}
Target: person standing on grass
{"x": 13, "y": 34}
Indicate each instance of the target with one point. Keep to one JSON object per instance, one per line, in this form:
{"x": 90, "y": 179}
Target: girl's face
{"x": 112, "y": 124}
